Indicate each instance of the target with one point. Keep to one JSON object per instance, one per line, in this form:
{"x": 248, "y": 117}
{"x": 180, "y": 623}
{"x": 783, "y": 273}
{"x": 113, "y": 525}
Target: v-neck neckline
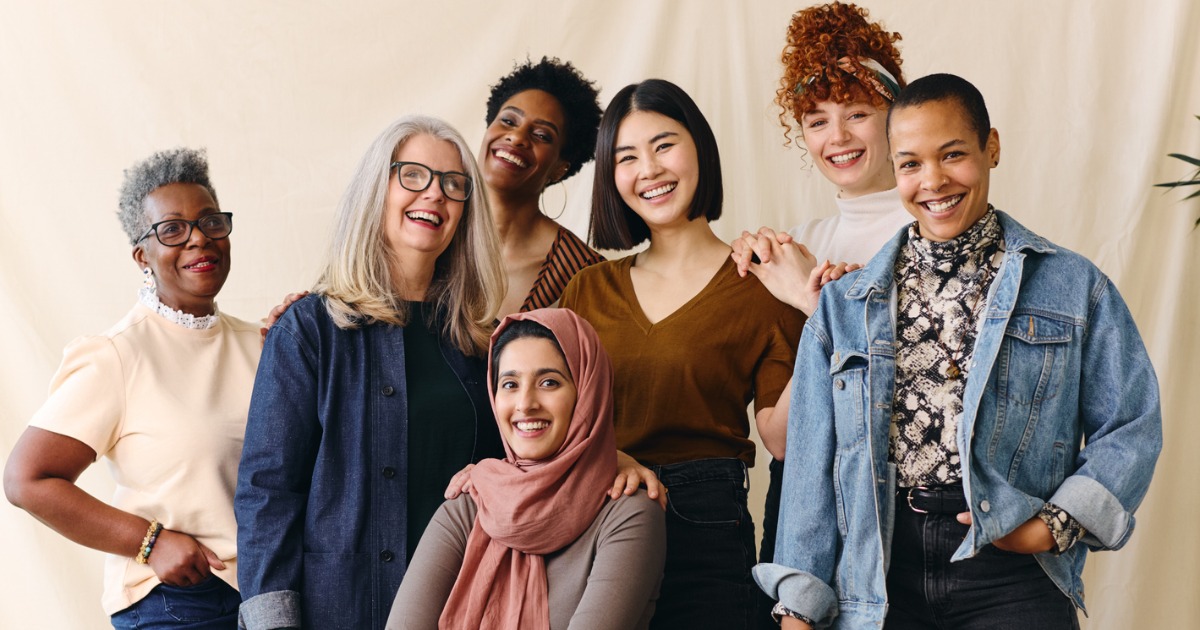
{"x": 635, "y": 305}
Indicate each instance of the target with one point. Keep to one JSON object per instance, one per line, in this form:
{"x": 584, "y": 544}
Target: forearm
{"x": 80, "y": 517}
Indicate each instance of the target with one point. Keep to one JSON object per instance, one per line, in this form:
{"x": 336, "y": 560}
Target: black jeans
{"x": 994, "y": 590}
{"x": 710, "y": 547}
{"x": 766, "y": 551}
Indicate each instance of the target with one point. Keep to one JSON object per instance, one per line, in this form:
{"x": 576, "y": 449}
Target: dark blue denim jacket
{"x": 1061, "y": 405}
{"x": 321, "y": 493}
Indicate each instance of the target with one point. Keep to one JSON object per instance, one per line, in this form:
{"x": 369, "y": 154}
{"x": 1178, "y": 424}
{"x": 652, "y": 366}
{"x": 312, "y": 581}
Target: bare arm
{"x": 40, "y": 478}
{"x": 772, "y": 423}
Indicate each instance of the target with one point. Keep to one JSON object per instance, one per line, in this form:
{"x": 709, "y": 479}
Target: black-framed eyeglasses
{"x": 417, "y": 177}
{"x": 176, "y": 232}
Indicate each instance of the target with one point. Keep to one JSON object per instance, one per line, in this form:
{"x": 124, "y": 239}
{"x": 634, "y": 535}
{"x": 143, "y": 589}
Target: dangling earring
{"x": 148, "y": 282}
{"x": 564, "y": 202}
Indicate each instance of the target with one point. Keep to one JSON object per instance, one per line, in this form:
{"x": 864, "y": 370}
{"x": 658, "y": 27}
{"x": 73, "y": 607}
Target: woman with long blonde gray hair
{"x": 372, "y": 390}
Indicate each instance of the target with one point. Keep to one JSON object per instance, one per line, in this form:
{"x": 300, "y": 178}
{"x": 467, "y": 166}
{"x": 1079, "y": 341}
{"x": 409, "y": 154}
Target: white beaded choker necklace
{"x": 149, "y": 298}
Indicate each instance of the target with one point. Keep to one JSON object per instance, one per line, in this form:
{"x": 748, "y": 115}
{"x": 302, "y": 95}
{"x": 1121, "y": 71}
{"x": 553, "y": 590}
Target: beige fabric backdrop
{"x": 1089, "y": 96}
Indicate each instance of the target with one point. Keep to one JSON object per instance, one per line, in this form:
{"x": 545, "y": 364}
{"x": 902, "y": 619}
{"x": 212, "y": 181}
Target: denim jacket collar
{"x": 879, "y": 278}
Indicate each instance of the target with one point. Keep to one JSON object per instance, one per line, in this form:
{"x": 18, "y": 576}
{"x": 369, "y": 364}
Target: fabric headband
{"x": 868, "y": 72}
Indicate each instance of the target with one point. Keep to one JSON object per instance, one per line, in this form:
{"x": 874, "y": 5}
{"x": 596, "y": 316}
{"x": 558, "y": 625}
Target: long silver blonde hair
{"x": 357, "y": 280}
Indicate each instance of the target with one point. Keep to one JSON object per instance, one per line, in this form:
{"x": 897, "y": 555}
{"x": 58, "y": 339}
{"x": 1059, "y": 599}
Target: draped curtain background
{"x": 1088, "y": 96}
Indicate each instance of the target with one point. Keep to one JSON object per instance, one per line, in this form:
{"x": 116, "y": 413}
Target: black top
{"x": 441, "y": 422}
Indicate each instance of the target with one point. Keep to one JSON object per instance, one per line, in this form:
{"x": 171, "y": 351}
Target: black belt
{"x": 933, "y": 499}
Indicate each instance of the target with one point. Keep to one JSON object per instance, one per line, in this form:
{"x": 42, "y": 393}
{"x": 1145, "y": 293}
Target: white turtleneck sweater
{"x": 859, "y": 229}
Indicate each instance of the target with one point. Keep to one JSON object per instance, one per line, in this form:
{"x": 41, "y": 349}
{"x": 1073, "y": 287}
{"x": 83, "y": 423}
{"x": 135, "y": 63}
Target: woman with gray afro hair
{"x": 164, "y": 396}
{"x": 173, "y": 166}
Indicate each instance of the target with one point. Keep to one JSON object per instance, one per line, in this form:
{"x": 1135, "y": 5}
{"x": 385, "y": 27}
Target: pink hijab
{"x": 531, "y": 508}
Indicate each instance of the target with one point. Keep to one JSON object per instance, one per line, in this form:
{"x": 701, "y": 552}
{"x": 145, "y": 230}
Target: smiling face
{"x": 656, "y": 169}
{"x": 535, "y": 398}
{"x": 849, "y": 144}
{"x": 521, "y": 152}
{"x": 422, "y": 223}
{"x": 188, "y": 276}
{"x": 941, "y": 171}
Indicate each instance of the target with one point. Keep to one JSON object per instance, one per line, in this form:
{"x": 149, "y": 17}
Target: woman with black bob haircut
{"x": 687, "y": 358}
{"x": 542, "y": 120}
{"x": 614, "y": 224}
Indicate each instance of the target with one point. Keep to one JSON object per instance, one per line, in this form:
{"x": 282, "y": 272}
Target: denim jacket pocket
{"x": 342, "y": 573}
{"x": 1033, "y": 358}
{"x": 848, "y": 377}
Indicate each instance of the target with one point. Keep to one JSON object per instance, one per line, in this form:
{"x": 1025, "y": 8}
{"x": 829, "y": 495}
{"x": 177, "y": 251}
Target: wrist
{"x": 148, "y": 541}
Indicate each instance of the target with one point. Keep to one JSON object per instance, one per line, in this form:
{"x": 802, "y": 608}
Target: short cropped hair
{"x": 578, "y": 97}
{"x": 614, "y": 224}
{"x": 946, "y": 87}
{"x": 173, "y": 166}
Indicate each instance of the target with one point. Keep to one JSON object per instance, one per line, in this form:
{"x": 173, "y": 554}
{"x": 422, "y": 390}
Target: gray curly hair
{"x": 173, "y": 166}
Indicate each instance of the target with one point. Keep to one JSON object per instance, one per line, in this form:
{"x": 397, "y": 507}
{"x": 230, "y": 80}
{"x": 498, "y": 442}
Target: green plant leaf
{"x": 1186, "y": 158}
{"x": 1194, "y": 182}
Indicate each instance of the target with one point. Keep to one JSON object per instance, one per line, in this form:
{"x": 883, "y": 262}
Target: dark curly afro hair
{"x": 579, "y": 98}
{"x": 816, "y": 39}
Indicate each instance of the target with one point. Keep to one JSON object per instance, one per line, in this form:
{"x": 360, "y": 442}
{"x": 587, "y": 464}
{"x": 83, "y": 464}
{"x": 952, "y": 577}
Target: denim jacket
{"x": 321, "y": 492}
{"x": 1061, "y": 405}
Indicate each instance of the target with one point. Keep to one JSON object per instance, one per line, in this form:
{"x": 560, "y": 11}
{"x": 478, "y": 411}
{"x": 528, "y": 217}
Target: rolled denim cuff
{"x": 268, "y": 611}
{"x": 800, "y": 592}
{"x": 1107, "y": 523}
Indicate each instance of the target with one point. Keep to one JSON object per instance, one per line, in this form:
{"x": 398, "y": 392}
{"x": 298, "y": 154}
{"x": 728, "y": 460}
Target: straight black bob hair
{"x": 614, "y": 223}
{"x": 946, "y": 87}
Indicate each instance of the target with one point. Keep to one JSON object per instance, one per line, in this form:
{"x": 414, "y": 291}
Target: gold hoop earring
{"x": 564, "y": 202}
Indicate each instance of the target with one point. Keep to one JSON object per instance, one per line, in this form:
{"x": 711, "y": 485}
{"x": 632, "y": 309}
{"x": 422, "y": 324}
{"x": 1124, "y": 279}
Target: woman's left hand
{"x": 631, "y": 475}
{"x": 1032, "y": 536}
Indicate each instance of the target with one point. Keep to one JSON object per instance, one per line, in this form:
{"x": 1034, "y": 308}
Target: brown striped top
{"x": 567, "y": 256}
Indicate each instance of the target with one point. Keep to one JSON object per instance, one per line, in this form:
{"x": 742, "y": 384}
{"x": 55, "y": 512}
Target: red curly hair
{"x": 817, "y": 38}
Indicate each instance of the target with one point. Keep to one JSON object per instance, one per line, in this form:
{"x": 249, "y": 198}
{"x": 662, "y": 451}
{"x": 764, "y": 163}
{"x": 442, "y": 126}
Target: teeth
{"x": 200, "y": 265}
{"x": 509, "y": 157}
{"x": 942, "y": 206}
{"x": 658, "y": 192}
{"x": 421, "y": 215}
{"x": 845, "y": 157}
{"x": 532, "y": 425}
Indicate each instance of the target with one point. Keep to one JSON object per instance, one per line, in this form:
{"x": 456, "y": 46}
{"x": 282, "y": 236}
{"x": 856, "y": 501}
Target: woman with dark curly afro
{"x": 542, "y": 120}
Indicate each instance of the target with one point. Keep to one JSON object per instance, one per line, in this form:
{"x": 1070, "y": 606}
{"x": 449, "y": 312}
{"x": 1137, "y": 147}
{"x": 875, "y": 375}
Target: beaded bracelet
{"x": 152, "y": 532}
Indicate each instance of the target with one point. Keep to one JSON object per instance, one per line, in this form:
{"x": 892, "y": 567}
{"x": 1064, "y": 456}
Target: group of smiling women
{"x": 474, "y": 421}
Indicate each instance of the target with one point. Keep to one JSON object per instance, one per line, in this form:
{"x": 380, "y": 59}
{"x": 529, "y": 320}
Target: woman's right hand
{"x": 180, "y": 560}
{"x": 278, "y": 312}
{"x": 459, "y": 483}
{"x": 631, "y": 475}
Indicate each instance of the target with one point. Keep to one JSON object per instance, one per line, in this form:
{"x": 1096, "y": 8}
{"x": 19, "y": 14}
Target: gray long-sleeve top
{"x": 607, "y": 578}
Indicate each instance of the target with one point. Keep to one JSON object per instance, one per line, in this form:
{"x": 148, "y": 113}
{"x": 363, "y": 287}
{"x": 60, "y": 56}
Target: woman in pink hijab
{"x": 537, "y": 543}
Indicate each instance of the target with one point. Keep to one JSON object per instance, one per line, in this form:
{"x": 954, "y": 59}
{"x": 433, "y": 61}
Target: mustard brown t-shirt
{"x": 681, "y": 386}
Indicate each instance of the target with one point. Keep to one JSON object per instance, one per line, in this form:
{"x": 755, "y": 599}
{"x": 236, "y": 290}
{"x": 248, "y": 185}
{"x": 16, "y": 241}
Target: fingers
{"x": 211, "y": 557}
{"x": 742, "y": 252}
{"x": 964, "y": 518}
{"x": 459, "y": 483}
{"x": 767, "y": 232}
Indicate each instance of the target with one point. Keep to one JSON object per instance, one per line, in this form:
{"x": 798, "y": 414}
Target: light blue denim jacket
{"x": 1061, "y": 405}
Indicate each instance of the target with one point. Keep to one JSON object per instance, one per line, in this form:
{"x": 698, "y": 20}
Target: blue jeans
{"x": 209, "y": 605}
{"x": 710, "y": 547}
{"x": 993, "y": 590}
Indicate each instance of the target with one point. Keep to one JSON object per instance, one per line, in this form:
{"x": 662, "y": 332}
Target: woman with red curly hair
{"x": 841, "y": 73}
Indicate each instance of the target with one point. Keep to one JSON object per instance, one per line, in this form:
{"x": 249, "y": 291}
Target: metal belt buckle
{"x": 910, "y": 497}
